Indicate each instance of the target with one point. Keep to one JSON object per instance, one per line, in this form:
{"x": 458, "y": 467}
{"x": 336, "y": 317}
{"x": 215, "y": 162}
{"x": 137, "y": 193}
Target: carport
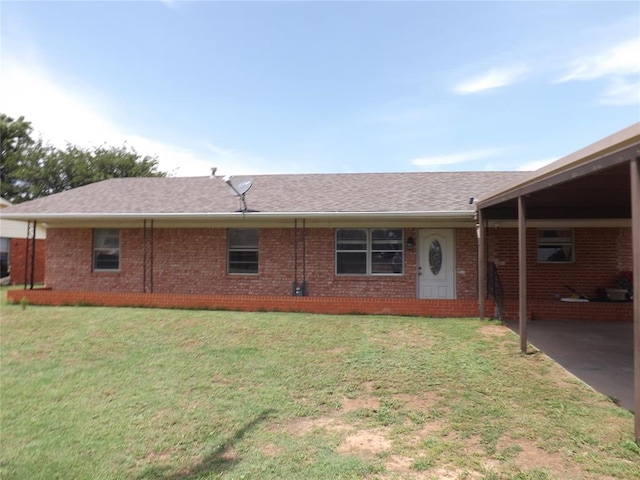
{"x": 597, "y": 184}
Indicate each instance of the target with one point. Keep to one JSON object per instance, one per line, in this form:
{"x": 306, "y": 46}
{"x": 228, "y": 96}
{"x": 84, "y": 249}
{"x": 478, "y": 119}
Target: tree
{"x": 32, "y": 170}
{"x": 17, "y": 150}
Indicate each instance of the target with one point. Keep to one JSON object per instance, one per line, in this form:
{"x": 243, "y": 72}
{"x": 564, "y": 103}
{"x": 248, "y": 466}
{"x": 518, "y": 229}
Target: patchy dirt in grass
{"x": 492, "y": 330}
{"x": 304, "y": 426}
{"x": 532, "y": 457}
{"x": 421, "y": 403}
{"x": 271, "y": 450}
{"x": 403, "y": 455}
{"x": 366, "y": 443}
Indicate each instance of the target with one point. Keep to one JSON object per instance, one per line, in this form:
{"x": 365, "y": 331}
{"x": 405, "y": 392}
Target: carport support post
{"x": 635, "y": 236}
{"x": 522, "y": 271}
{"x": 482, "y": 266}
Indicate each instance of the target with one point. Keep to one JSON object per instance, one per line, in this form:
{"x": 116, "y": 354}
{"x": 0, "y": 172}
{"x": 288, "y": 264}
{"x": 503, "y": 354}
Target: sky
{"x": 324, "y": 86}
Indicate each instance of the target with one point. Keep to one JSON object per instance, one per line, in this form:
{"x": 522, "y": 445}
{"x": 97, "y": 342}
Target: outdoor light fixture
{"x": 410, "y": 243}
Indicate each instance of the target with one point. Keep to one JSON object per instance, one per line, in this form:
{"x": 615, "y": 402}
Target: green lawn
{"x": 122, "y": 393}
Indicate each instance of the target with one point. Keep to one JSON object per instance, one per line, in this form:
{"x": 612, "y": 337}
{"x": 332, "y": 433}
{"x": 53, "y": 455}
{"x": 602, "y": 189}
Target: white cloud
{"x": 535, "y": 165}
{"x": 63, "y": 112}
{"x": 618, "y": 65}
{"x": 619, "y": 60}
{"x": 622, "y": 91}
{"x": 494, "y": 78}
{"x": 455, "y": 158}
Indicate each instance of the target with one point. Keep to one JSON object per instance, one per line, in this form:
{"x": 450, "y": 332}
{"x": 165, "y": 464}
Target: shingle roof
{"x": 275, "y": 194}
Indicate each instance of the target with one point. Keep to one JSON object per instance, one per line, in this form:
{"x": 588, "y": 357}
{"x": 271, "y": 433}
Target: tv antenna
{"x": 240, "y": 185}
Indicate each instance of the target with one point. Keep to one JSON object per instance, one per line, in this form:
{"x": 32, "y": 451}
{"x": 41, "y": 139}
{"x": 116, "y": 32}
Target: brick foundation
{"x": 325, "y": 305}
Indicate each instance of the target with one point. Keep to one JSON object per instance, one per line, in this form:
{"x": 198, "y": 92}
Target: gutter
{"x": 468, "y": 214}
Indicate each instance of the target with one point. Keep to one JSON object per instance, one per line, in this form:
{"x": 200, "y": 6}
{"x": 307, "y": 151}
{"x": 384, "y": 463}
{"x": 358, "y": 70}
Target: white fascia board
{"x": 84, "y": 217}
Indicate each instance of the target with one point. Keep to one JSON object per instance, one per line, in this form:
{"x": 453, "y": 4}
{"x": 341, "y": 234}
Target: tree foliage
{"x": 30, "y": 169}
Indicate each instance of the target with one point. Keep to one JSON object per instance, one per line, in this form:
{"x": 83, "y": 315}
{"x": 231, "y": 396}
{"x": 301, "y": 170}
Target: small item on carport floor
{"x": 576, "y": 295}
{"x": 574, "y": 299}
{"x": 616, "y": 294}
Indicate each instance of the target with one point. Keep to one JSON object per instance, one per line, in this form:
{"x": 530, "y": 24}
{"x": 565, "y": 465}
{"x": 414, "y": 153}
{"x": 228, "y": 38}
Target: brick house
{"x": 400, "y": 243}
{"x": 338, "y": 237}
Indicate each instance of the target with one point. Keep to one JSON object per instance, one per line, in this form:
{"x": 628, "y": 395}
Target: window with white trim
{"x": 242, "y": 250}
{"x": 106, "y": 249}
{"x": 555, "y": 245}
{"x": 374, "y": 251}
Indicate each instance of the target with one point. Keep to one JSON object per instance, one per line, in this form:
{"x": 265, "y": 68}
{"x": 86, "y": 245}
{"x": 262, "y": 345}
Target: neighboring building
{"x": 13, "y": 249}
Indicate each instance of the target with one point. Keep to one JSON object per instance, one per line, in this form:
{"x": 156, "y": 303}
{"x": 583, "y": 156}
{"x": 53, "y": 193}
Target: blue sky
{"x": 315, "y": 87}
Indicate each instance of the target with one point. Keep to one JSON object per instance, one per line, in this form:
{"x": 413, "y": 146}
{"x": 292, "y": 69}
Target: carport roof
{"x": 590, "y": 183}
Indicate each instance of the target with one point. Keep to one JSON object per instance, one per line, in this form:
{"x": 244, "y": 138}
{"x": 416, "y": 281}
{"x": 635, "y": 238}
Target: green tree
{"x": 17, "y": 152}
{"x": 32, "y": 170}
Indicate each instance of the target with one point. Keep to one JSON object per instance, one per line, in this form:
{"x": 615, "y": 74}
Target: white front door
{"x": 436, "y": 267}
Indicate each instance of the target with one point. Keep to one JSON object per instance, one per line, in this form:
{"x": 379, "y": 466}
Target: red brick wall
{"x": 327, "y": 305}
{"x": 17, "y": 251}
{"x": 600, "y": 254}
{"x": 466, "y": 263}
{"x": 194, "y": 261}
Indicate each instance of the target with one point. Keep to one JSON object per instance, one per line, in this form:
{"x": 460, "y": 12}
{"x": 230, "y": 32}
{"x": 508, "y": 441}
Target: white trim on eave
{"x": 44, "y": 217}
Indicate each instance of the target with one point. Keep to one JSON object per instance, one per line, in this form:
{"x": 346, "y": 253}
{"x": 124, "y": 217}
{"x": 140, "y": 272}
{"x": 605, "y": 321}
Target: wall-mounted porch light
{"x": 410, "y": 243}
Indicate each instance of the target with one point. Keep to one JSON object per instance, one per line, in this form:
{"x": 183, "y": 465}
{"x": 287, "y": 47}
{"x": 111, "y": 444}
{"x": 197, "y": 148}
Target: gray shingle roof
{"x": 273, "y": 194}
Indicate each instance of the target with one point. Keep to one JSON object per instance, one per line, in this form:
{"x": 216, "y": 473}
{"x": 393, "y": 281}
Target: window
{"x": 4, "y": 257}
{"x": 369, "y": 251}
{"x": 106, "y": 249}
{"x": 555, "y": 245}
{"x": 243, "y": 250}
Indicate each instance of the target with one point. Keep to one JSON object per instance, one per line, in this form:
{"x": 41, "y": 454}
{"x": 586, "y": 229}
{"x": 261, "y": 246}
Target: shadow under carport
{"x": 598, "y": 353}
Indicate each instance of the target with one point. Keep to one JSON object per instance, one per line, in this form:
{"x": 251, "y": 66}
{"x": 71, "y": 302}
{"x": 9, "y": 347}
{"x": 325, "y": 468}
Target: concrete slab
{"x": 598, "y": 353}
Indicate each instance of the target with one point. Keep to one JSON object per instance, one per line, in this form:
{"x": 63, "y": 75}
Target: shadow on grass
{"x": 215, "y": 462}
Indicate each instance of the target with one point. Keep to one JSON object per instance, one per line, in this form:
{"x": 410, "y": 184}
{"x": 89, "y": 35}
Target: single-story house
{"x": 521, "y": 245}
{"x": 403, "y": 243}
{"x": 19, "y": 249}
{"x": 383, "y": 237}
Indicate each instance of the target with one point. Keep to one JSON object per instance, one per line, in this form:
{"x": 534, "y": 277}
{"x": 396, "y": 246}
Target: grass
{"x": 106, "y": 393}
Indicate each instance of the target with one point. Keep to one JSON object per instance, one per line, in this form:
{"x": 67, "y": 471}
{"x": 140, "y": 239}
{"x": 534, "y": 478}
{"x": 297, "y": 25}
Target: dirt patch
{"x": 368, "y": 402}
{"x": 493, "y": 330}
{"x": 366, "y": 443}
{"x": 422, "y": 403}
{"x": 304, "y": 426}
{"x": 398, "y": 463}
{"x": 159, "y": 456}
{"x": 531, "y": 456}
{"x": 271, "y": 450}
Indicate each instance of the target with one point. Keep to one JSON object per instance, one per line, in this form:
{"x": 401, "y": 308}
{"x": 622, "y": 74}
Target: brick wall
{"x": 17, "y": 252}
{"x": 325, "y": 305}
{"x": 194, "y": 261}
{"x": 600, "y": 254}
{"x": 466, "y": 263}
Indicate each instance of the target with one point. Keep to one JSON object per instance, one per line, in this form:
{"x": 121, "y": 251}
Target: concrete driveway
{"x": 598, "y": 353}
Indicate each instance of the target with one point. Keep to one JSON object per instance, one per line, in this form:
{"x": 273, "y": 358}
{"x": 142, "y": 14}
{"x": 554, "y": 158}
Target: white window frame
{"x": 244, "y": 249}
{"x": 561, "y": 240}
{"x": 370, "y": 252}
{"x": 104, "y": 248}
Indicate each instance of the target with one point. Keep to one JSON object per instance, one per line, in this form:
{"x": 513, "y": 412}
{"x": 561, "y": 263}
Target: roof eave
{"x": 44, "y": 217}
{"x": 608, "y": 152}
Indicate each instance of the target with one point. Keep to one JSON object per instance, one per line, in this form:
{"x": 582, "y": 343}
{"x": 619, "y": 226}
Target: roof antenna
{"x": 240, "y": 185}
